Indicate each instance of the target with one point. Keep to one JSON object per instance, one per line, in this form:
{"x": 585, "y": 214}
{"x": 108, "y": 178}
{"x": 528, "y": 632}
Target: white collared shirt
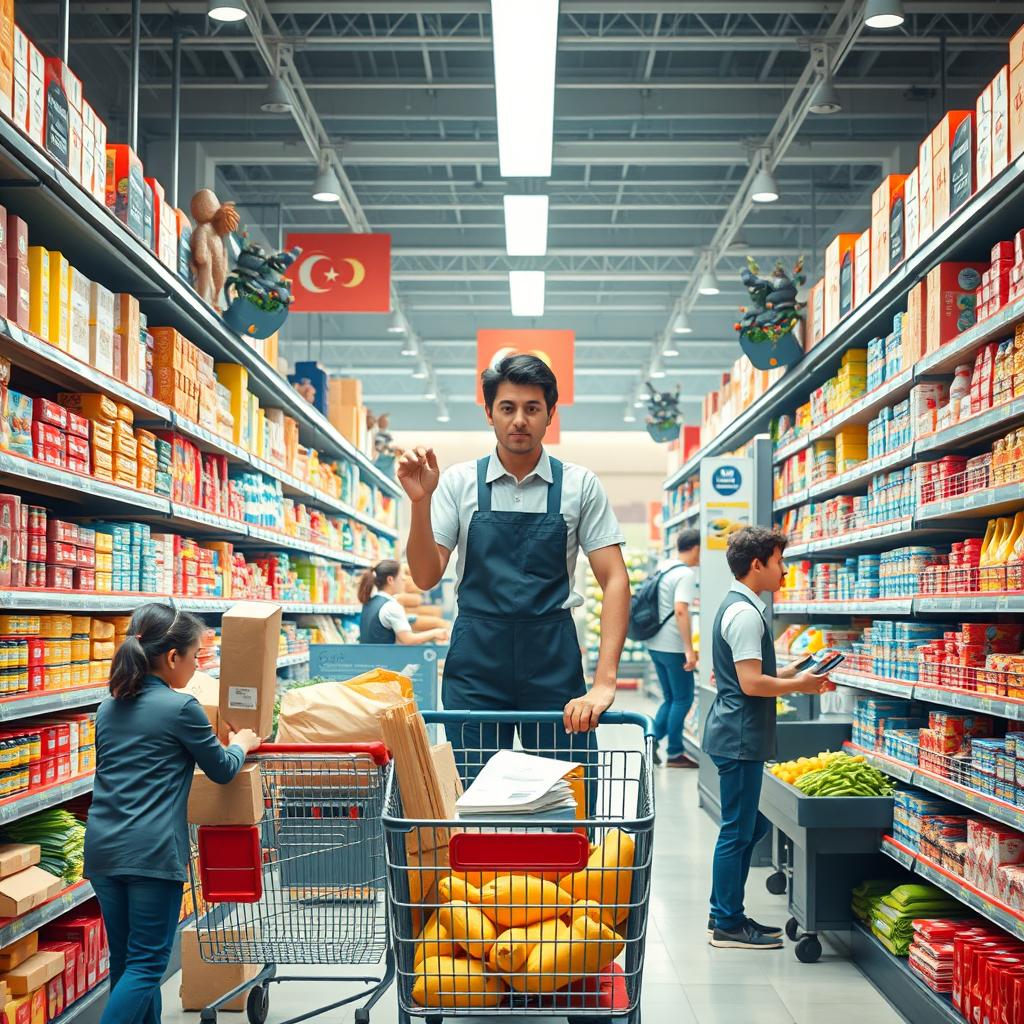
{"x": 585, "y": 506}
{"x": 743, "y": 625}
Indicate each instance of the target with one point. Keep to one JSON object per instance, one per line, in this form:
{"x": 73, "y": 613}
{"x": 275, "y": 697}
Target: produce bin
{"x": 834, "y": 844}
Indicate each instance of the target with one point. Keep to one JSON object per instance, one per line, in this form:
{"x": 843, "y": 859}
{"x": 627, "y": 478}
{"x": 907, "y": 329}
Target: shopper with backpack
{"x": 671, "y": 647}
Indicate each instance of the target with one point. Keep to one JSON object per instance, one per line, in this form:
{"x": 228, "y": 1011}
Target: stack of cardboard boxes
{"x": 176, "y": 371}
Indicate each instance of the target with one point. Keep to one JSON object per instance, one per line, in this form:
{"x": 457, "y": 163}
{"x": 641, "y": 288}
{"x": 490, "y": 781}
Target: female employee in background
{"x": 384, "y": 620}
{"x": 149, "y": 739}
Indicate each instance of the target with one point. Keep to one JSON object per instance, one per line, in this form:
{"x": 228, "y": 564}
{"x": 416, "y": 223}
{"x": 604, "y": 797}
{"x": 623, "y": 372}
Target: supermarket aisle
{"x": 717, "y": 986}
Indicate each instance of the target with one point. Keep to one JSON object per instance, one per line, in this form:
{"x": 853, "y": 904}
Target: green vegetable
{"x": 60, "y": 837}
{"x": 845, "y": 776}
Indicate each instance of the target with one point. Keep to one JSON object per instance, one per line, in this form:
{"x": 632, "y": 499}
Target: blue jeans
{"x": 141, "y": 918}
{"x": 743, "y": 827}
{"x": 677, "y": 686}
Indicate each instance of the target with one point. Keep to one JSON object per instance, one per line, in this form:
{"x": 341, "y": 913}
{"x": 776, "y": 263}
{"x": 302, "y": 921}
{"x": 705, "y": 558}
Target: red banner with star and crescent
{"x": 341, "y": 272}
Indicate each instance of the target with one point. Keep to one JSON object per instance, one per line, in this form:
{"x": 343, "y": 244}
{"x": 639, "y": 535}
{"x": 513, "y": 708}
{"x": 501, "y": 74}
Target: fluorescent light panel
{"x": 525, "y": 35}
{"x": 526, "y": 292}
{"x": 526, "y": 225}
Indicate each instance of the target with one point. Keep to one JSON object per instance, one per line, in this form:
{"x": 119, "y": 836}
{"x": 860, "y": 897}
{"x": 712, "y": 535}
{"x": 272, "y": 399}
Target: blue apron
{"x": 514, "y": 646}
{"x": 371, "y": 629}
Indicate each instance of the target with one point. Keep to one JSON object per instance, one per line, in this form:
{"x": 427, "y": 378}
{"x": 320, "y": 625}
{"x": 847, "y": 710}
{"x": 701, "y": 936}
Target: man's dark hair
{"x": 524, "y": 371}
{"x": 753, "y": 542}
{"x": 687, "y": 540}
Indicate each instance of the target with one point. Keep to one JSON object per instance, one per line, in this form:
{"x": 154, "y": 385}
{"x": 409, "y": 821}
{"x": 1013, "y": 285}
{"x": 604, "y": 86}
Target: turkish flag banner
{"x": 341, "y": 272}
{"x": 556, "y": 348}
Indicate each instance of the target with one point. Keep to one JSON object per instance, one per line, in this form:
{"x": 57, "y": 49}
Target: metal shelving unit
{"x": 13, "y": 709}
{"x": 13, "y": 929}
{"x": 24, "y": 804}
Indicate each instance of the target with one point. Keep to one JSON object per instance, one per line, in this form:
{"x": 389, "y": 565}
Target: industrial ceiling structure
{"x": 665, "y": 112}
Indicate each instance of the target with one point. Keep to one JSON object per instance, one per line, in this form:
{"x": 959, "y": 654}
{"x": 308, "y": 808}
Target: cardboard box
{"x": 74, "y": 967}
{"x": 925, "y": 188}
{"x": 15, "y": 857}
{"x": 1001, "y": 121}
{"x": 862, "y": 268}
{"x": 839, "y": 258}
{"x": 953, "y": 292}
{"x": 19, "y": 1011}
{"x": 953, "y": 164}
{"x": 39, "y": 291}
{"x": 983, "y": 140}
{"x": 914, "y": 324}
{"x": 6, "y": 56}
{"x": 250, "y": 636}
{"x": 20, "y": 892}
{"x": 240, "y": 802}
{"x": 202, "y": 983}
{"x": 815, "y": 316}
{"x": 911, "y": 213}
{"x": 887, "y": 227}
{"x": 60, "y": 301}
{"x": 206, "y": 690}
{"x": 56, "y": 130}
{"x": 18, "y": 952}
{"x": 126, "y": 188}
{"x": 18, "y": 277}
{"x": 34, "y": 973}
{"x": 1015, "y": 94}
{"x": 36, "y": 95}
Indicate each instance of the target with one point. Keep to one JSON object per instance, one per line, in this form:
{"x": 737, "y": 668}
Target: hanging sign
{"x": 556, "y": 348}
{"x": 341, "y": 272}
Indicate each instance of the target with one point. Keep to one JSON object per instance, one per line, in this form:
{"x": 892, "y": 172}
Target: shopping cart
{"x": 538, "y": 976}
{"x": 304, "y": 886}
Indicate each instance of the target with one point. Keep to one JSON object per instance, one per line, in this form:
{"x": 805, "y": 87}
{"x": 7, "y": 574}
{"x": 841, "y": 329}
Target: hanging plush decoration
{"x": 770, "y": 333}
{"x": 664, "y": 420}
{"x": 214, "y": 221}
{"x": 257, "y": 292}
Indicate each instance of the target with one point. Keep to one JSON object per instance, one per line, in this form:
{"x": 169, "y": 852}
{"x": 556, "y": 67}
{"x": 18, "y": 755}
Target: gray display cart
{"x": 834, "y": 845}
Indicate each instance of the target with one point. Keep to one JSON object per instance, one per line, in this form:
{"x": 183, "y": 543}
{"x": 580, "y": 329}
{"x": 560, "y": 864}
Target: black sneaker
{"x": 657, "y": 756}
{"x": 681, "y": 761}
{"x": 764, "y": 929}
{"x": 744, "y": 937}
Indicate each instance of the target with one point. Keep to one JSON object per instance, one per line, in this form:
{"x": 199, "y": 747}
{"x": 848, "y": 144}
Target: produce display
{"x": 638, "y": 565}
{"x": 524, "y": 934}
{"x": 60, "y": 837}
{"x": 894, "y": 915}
{"x": 834, "y": 774}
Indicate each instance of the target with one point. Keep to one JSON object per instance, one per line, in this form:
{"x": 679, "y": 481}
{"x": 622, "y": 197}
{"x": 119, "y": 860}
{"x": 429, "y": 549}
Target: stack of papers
{"x": 513, "y": 783}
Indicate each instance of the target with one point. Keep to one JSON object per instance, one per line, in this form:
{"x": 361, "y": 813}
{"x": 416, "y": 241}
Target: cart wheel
{"x": 362, "y": 1015}
{"x": 776, "y": 883}
{"x": 207, "y": 1016}
{"x": 433, "y": 1020}
{"x": 792, "y": 929}
{"x": 257, "y": 1006}
{"x": 808, "y": 949}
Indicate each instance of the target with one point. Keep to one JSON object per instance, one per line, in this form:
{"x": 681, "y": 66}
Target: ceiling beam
{"x": 664, "y": 153}
{"x": 581, "y": 398}
{"x": 580, "y": 371}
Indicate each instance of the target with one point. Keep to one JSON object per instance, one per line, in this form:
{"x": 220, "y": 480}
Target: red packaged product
{"x": 59, "y": 577}
{"x": 85, "y": 579}
{"x": 50, "y": 455}
{"x": 77, "y": 425}
{"x": 45, "y": 411}
{"x": 47, "y": 435}
{"x": 35, "y": 770}
{"x": 61, "y": 553}
{"x": 62, "y": 531}
{"x": 36, "y": 551}
{"x": 79, "y": 466}
{"x": 77, "y": 447}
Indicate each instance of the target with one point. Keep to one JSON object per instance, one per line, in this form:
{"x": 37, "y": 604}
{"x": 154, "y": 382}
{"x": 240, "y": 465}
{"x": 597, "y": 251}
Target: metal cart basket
{"x": 306, "y": 885}
{"x": 538, "y": 957}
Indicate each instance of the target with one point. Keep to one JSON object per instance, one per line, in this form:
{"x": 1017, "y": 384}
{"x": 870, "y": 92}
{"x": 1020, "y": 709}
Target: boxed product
{"x": 79, "y": 288}
{"x": 59, "y": 301}
{"x": 1016, "y": 90}
{"x": 911, "y": 213}
{"x": 126, "y": 187}
{"x": 862, "y": 268}
{"x": 240, "y": 802}
{"x": 39, "y": 291}
{"x": 34, "y": 973}
{"x": 839, "y": 258}
{"x": 815, "y": 316}
{"x": 952, "y": 164}
{"x": 20, "y": 892}
{"x": 1000, "y": 121}
{"x": 63, "y": 91}
{"x": 18, "y": 276}
{"x": 15, "y": 857}
{"x": 101, "y": 328}
{"x": 6, "y": 57}
{"x": 926, "y": 187}
{"x": 19, "y": 951}
{"x": 249, "y": 641}
{"x": 887, "y": 227}
{"x": 203, "y": 983}
{"x": 951, "y": 301}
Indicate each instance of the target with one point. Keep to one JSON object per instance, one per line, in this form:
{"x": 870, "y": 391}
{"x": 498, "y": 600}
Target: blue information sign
{"x": 343, "y": 661}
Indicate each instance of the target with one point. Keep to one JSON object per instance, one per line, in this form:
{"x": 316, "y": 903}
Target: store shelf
{"x": 211, "y": 605}
{"x": 12, "y": 929}
{"x": 971, "y": 229}
{"x": 865, "y": 538}
{"x": 64, "y": 217}
{"x": 876, "y": 684}
{"x": 13, "y": 709}
{"x": 790, "y": 500}
{"x": 990, "y": 501}
{"x": 951, "y": 355}
{"x": 901, "y": 770}
{"x": 276, "y": 539}
{"x": 864, "y": 409}
{"x": 903, "y": 987}
{"x": 990, "y": 603}
{"x": 981, "y": 902}
{"x": 1003, "y": 707}
{"x": 691, "y": 745}
{"x": 862, "y": 473}
{"x": 881, "y": 606}
{"x": 21, "y": 806}
{"x": 790, "y": 448}
{"x": 688, "y": 513}
{"x": 971, "y": 430}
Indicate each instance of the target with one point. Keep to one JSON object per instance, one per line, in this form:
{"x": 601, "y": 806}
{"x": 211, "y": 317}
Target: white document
{"x": 515, "y": 783}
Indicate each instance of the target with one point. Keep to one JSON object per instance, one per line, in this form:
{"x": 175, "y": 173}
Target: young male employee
{"x": 518, "y": 518}
{"x": 740, "y": 732}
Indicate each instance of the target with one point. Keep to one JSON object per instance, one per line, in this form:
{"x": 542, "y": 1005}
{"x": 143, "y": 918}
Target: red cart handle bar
{"x": 380, "y": 754}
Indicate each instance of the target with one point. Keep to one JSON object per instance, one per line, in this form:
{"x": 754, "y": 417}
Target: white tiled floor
{"x": 685, "y": 981}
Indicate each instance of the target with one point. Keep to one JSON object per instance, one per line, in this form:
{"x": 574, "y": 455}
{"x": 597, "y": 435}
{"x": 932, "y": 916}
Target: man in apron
{"x": 518, "y": 518}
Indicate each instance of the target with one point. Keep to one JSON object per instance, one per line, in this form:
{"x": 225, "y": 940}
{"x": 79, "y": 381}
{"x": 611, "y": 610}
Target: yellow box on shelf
{"x": 60, "y": 301}
{"x": 235, "y": 378}
{"x": 39, "y": 291}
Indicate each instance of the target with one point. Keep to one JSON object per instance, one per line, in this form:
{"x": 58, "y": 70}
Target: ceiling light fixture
{"x": 826, "y": 99}
{"x": 764, "y": 189}
{"x": 709, "y": 283}
{"x": 526, "y": 292}
{"x": 442, "y": 415}
{"x": 227, "y": 10}
{"x": 326, "y": 187}
{"x": 276, "y": 99}
{"x": 420, "y": 373}
{"x": 525, "y": 42}
{"x": 639, "y": 403}
{"x": 681, "y": 325}
{"x": 409, "y": 349}
{"x": 629, "y": 418}
{"x": 883, "y": 14}
{"x": 396, "y": 324}
{"x": 430, "y": 395}
{"x": 658, "y": 373}
{"x": 526, "y": 225}
{"x": 670, "y": 351}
